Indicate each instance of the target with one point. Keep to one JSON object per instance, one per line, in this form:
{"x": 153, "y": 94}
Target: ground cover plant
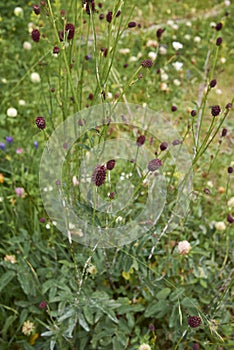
{"x": 119, "y": 113}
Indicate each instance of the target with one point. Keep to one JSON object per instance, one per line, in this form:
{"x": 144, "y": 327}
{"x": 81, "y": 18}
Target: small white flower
{"x": 170, "y": 22}
{"x": 231, "y": 202}
{"x": 30, "y": 27}
{"x": 212, "y": 24}
{"x": 227, "y": 2}
{"x": 184, "y": 247}
{"x": 176, "y": 82}
{"x": 92, "y": 269}
{"x": 124, "y": 51}
{"x": 47, "y": 226}
{"x": 220, "y": 226}
{"x": 152, "y": 43}
{"x": 197, "y": 39}
{"x": 27, "y": 45}
{"x": 188, "y": 24}
{"x": 54, "y": 223}
{"x": 119, "y": 219}
{"x": 144, "y": 347}
{"x": 35, "y": 77}
{"x": 18, "y": 12}
{"x": 109, "y": 95}
{"x": 152, "y": 55}
{"x": 164, "y": 76}
{"x": 164, "y": 87}
{"x": 177, "y": 45}
{"x": 177, "y": 65}
{"x": 133, "y": 59}
{"x": 210, "y": 184}
{"x": 175, "y": 26}
{"x": 12, "y": 112}
{"x": 71, "y": 226}
{"x": 4, "y": 81}
{"x": 162, "y": 50}
{"x": 187, "y": 36}
{"x": 222, "y": 59}
{"x": 22, "y": 103}
{"x": 218, "y": 91}
{"x": 10, "y": 258}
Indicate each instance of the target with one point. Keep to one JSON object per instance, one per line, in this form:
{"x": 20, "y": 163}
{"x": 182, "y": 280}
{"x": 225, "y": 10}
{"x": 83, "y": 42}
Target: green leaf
{"x": 8, "y": 323}
{"x": 83, "y": 322}
{"x": 163, "y": 294}
{"x": 6, "y": 278}
{"x": 26, "y": 282}
{"x": 176, "y": 294}
{"x": 156, "y": 309}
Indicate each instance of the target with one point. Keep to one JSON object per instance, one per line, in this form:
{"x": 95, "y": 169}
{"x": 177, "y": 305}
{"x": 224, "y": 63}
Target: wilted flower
{"x": 28, "y": 327}
{"x": 35, "y": 77}
{"x": 220, "y": 226}
{"x": 19, "y": 191}
{"x": 12, "y": 112}
{"x": 184, "y": 247}
{"x": 10, "y": 258}
{"x": 177, "y": 45}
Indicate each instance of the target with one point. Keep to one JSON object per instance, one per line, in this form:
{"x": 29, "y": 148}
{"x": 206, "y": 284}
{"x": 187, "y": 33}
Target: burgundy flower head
{"x": 147, "y": 63}
{"x": 215, "y": 110}
{"x": 194, "y": 321}
{"x": 110, "y": 164}
{"x": 154, "y": 164}
{"x": 140, "y": 140}
{"x": 40, "y": 122}
{"x": 70, "y": 28}
{"x": 36, "y": 9}
{"x": 99, "y": 175}
{"x": 35, "y": 35}
{"x": 160, "y": 32}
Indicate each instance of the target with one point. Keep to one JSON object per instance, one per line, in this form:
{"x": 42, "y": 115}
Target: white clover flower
{"x": 218, "y": 91}
{"x": 231, "y": 202}
{"x": 12, "y": 112}
{"x": 184, "y": 247}
{"x": 170, "y": 22}
{"x": 18, "y": 12}
{"x": 212, "y": 24}
{"x": 197, "y": 39}
{"x": 35, "y": 77}
{"x": 177, "y": 65}
{"x": 3, "y": 80}
{"x": 177, "y": 45}
{"x": 47, "y": 226}
{"x": 27, "y": 45}
{"x": 144, "y": 347}
{"x": 30, "y": 27}
{"x": 162, "y": 50}
{"x": 152, "y": 55}
{"x": 124, "y": 51}
{"x": 164, "y": 76}
{"x": 220, "y": 226}
{"x": 176, "y": 82}
{"x": 188, "y": 24}
{"x": 187, "y": 36}
{"x": 175, "y": 26}
{"x": 22, "y": 103}
{"x": 28, "y": 327}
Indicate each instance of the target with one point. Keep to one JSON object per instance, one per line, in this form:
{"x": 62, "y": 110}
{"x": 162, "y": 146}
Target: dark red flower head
{"x": 194, "y": 321}
{"x": 110, "y": 164}
{"x": 147, "y": 63}
{"x": 219, "y": 41}
{"x": 99, "y": 175}
{"x": 140, "y": 140}
{"x": 215, "y": 110}
{"x": 35, "y": 35}
{"x": 213, "y": 83}
{"x": 131, "y": 24}
{"x": 160, "y": 32}
{"x": 70, "y": 28}
{"x": 40, "y": 123}
{"x": 163, "y": 146}
{"x": 109, "y": 16}
{"x": 154, "y": 164}
{"x": 36, "y": 9}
